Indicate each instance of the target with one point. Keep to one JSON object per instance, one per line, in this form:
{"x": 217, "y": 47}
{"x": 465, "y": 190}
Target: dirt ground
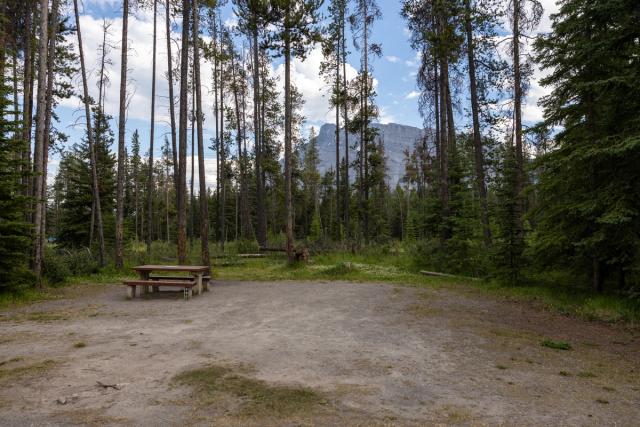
{"x": 379, "y": 354}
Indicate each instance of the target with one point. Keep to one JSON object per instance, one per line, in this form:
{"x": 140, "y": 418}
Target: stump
{"x": 301, "y": 253}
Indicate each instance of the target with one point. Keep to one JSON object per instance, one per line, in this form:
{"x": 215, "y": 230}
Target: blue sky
{"x": 394, "y": 73}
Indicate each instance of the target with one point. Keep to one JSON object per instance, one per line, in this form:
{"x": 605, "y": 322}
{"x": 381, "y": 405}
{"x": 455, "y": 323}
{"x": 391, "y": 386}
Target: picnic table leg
{"x": 144, "y": 275}
{"x": 131, "y": 292}
{"x": 205, "y": 283}
{"x": 199, "y": 284}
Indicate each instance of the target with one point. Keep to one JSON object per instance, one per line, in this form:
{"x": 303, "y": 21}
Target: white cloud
{"x": 412, "y": 95}
{"x": 306, "y": 77}
{"x": 393, "y": 59}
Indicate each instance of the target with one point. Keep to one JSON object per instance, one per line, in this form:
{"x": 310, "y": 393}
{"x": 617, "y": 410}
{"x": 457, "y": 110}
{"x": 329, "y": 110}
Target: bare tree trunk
{"x": 27, "y": 92}
{"x": 245, "y": 225}
{"x": 215, "y": 113}
{"x": 477, "y": 138}
{"x": 365, "y": 99}
{"x": 122, "y": 119}
{"x": 338, "y": 101}
{"x": 222, "y": 152}
{"x": 90, "y": 138}
{"x": 347, "y": 191}
{"x": 261, "y": 213}
{"x": 172, "y": 108}
{"x": 150, "y": 183}
{"x": 182, "y": 181}
{"x": 53, "y": 32}
{"x": 204, "y": 205}
{"x": 287, "y": 136}
{"x": 38, "y": 161}
{"x": 517, "y": 94}
{"x": 192, "y": 199}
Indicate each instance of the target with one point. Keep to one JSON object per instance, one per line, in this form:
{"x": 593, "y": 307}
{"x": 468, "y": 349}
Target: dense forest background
{"x": 482, "y": 194}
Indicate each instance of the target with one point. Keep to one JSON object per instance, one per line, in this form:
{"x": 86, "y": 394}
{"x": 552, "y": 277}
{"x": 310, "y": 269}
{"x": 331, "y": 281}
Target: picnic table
{"x": 194, "y": 281}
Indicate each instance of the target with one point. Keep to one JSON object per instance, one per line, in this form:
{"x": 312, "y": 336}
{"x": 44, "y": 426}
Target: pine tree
{"x": 589, "y": 213}
{"x": 14, "y": 230}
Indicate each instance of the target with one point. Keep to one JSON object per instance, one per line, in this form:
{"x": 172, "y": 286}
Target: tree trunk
{"x": 517, "y": 95}
{"x": 122, "y": 119}
{"x": 182, "y": 161}
{"x": 204, "y": 205}
{"x": 53, "y": 32}
{"x": 223, "y": 178}
{"x": 172, "y": 108}
{"x": 215, "y": 113}
{"x": 192, "y": 200}
{"x": 261, "y": 213}
{"x": 150, "y": 183}
{"x": 27, "y": 93}
{"x": 597, "y": 275}
{"x": 287, "y": 137}
{"x": 347, "y": 189}
{"x": 90, "y": 138}
{"x": 38, "y": 160}
{"x": 338, "y": 101}
{"x": 477, "y": 139}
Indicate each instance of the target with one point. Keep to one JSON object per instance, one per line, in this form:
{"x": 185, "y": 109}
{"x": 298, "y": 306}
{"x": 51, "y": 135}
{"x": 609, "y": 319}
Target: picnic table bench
{"x": 196, "y": 282}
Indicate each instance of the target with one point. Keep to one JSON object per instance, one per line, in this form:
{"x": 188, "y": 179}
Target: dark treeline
{"x": 484, "y": 192}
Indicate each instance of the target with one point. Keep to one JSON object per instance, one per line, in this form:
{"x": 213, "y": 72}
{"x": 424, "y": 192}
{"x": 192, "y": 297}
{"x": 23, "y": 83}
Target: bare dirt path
{"x": 378, "y": 354}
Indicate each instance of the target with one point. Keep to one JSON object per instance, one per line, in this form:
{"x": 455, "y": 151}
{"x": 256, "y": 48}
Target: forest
{"x": 485, "y": 193}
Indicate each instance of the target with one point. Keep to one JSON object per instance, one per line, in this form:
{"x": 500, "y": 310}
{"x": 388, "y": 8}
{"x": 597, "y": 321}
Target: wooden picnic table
{"x": 196, "y": 271}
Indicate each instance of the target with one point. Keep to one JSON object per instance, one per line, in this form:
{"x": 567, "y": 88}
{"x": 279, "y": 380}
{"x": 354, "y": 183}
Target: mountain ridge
{"x": 396, "y": 137}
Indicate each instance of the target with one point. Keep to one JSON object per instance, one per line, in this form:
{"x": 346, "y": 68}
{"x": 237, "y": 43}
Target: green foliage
{"x": 62, "y": 264}
{"x": 507, "y": 251}
{"x": 556, "y": 345}
{"x": 14, "y": 229}
{"x": 589, "y": 203}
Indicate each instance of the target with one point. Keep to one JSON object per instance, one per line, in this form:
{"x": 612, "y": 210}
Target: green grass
{"x": 401, "y": 269}
{"x": 396, "y": 266}
{"x": 556, "y": 345}
{"x": 80, "y": 344}
{"x": 258, "y": 398}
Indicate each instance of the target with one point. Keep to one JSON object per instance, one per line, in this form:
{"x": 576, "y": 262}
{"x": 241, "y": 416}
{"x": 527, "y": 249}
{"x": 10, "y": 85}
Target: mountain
{"x": 396, "y": 139}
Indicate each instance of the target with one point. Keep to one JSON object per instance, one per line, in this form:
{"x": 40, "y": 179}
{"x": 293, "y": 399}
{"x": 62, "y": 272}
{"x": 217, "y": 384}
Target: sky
{"x": 394, "y": 75}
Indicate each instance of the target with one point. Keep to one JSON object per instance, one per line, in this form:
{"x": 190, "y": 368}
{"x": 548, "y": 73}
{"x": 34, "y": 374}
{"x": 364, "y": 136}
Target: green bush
{"x": 60, "y": 264}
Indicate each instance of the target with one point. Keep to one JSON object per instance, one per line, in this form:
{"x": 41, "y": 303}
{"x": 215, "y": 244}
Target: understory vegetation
{"x": 544, "y": 209}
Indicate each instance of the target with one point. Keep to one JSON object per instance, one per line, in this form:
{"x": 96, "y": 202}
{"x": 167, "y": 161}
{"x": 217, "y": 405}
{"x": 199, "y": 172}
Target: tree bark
{"x": 53, "y": 32}
{"x": 477, "y": 138}
{"x": 122, "y": 119}
{"x": 204, "y": 204}
{"x": 261, "y": 213}
{"x": 338, "y": 101}
{"x": 347, "y": 190}
{"x": 150, "y": 183}
{"x": 517, "y": 95}
{"x": 90, "y": 138}
{"x": 182, "y": 161}
{"x": 287, "y": 136}
{"x": 172, "y": 108}
{"x": 38, "y": 161}
{"x": 27, "y": 93}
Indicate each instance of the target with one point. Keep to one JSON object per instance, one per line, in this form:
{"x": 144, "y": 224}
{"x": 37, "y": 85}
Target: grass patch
{"x": 602, "y": 401}
{"x": 33, "y": 369}
{"x": 501, "y": 367}
{"x": 564, "y": 374}
{"x": 556, "y": 345}
{"x": 586, "y": 374}
{"x": 80, "y": 344}
{"x": 375, "y": 265}
{"x": 258, "y": 398}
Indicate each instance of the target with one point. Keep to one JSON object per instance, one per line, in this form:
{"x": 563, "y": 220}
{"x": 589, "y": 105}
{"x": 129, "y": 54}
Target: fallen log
{"x": 437, "y": 274}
